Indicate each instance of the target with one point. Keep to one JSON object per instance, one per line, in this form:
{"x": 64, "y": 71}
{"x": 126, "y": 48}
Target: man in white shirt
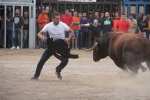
{"x": 56, "y": 30}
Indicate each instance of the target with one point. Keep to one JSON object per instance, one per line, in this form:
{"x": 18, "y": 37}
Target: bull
{"x": 127, "y": 51}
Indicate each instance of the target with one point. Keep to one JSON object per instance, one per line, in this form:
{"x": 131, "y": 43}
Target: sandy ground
{"x": 83, "y": 79}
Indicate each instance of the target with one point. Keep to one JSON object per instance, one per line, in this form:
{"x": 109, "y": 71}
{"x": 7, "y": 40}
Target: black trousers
{"x": 46, "y": 55}
{"x": 84, "y": 39}
{"x": 147, "y": 34}
{"x": 80, "y": 39}
{"x": 9, "y": 38}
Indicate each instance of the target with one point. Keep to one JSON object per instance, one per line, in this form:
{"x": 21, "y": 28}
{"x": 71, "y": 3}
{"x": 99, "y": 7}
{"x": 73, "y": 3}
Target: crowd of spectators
{"x": 87, "y": 29}
{"x": 21, "y": 27}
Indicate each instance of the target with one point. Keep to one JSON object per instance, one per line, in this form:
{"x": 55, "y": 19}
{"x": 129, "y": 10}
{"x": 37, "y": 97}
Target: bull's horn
{"x": 93, "y": 47}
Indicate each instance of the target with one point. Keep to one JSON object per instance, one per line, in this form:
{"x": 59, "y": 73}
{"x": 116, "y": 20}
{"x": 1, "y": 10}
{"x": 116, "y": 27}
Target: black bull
{"x": 127, "y": 50}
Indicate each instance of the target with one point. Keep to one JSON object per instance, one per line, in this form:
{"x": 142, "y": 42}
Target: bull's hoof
{"x": 127, "y": 77}
{"x": 143, "y": 69}
{"x": 131, "y": 76}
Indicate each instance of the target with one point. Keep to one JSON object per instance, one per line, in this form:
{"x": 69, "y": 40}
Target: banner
{"x": 79, "y": 0}
{"x": 85, "y": 0}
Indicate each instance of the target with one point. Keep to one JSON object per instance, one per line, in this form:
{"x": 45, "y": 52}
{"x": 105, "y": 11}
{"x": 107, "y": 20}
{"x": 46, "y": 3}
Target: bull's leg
{"x": 133, "y": 67}
{"x": 122, "y": 66}
{"x": 133, "y": 74}
{"x": 148, "y": 64}
{"x": 143, "y": 68}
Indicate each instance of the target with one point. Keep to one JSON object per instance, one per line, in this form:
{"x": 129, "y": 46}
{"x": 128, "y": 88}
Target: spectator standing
{"x": 140, "y": 17}
{"x": 102, "y": 15}
{"x": 80, "y": 33}
{"x": 148, "y": 19}
{"x": 143, "y": 26}
{"x": 85, "y": 23}
{"x": 1, "y": 38}
{"x": 96, "y": 25}
{"x": 67, "y": 19}
{"x": 26, "y": 30}
{"x": 75, "y": 27}
{"x": 133, "y": 24}
{"x": 0, "y": 21}
{"x": 123, "y": 24}
{"x": 9, "y": 30}
{"x": 43, "y": 19}
{"x": 90, "y": 36}
{"x": 115, "y": 20}
{"x": 18, "y": 20}
{"x": 107, "y": 23}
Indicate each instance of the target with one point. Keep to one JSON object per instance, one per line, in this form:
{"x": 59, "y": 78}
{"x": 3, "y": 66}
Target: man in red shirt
{"x": 116, "y": 19}
{"x": 123, "y": 24}
{"x": 67, "y": 19}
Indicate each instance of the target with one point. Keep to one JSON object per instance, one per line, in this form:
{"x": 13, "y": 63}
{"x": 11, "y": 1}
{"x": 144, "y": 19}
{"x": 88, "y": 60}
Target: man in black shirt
{"x": 96, "y": 26}
{"x": 107, "y": 23}
{"x": 26, "y": 30}
{"x": 18, "y": 20}
{"x": 1, "y": 37}
{"x": 102, "y": 16}
{"x": 90, "y": 36}
{"x": 143, "y": 26}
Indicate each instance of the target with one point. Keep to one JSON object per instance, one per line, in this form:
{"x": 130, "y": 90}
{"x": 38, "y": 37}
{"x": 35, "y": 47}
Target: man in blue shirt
{"x": 84, "y": 23}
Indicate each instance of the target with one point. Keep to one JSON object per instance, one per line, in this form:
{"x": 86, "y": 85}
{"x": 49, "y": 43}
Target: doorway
{"x": 8, "y": 10}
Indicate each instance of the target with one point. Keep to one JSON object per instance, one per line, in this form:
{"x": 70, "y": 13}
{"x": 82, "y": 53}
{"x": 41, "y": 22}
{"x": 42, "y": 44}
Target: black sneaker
{"x": 34, "y": 78}
{"x": 58, "y": 75}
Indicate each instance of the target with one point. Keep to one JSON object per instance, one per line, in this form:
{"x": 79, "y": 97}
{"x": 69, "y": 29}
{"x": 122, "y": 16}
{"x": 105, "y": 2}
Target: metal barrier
{"x": 110, "y": 6}
{"x": 31, "y": 4}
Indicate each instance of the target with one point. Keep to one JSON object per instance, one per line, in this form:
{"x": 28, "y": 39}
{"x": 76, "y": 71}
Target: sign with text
{"x": 86, "y": 0}
{"x": 79, "y": 0}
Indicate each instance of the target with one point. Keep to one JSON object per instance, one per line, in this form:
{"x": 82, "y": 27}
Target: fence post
{"x": 129, "y": 10}
{"x": 124, "y": 6}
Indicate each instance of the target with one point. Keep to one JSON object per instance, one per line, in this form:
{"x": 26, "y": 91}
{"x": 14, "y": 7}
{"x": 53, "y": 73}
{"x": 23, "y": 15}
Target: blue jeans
{"x": 17, "y": 32}
{"x": 76, "y": 34}
{"x": 25, "y": 38}
{"x": 42, "y": 43}
{"x": 46, "y": 55}
{"x": 66, "y": 34}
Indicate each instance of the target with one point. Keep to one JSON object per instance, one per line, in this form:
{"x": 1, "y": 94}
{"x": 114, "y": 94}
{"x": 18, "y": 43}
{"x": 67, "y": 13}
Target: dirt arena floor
{"x": 83, "y": 79}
